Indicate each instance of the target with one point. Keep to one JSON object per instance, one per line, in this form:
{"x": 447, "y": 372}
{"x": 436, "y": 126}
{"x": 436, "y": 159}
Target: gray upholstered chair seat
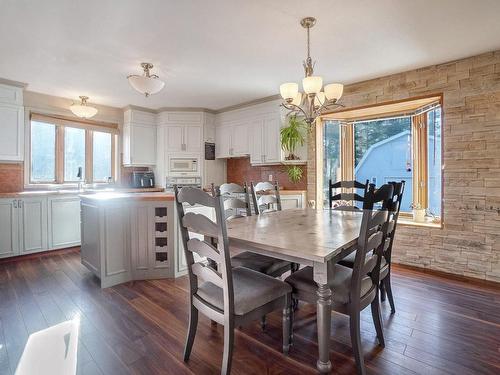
{"x": 252, "y": 289}
{"x": 348, "y": 261}
{"x": 302, "y": 280}
{"x": 260, "y": 263}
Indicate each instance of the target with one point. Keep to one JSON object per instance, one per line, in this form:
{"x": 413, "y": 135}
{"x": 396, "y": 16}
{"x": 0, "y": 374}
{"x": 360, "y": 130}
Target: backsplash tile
{"x": 240, "y": 170}
{"x": 11, "y": 177}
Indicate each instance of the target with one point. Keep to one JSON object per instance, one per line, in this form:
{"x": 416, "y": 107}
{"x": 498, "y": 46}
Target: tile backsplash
{"x": 11, "y": 177}
{"x": 240, "y": 170}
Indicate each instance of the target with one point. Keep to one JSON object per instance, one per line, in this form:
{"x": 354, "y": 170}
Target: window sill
{"x": 428, "y": 223}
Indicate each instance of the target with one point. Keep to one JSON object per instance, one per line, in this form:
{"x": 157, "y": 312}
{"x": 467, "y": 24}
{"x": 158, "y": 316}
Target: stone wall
{"x": 469, "y": 243}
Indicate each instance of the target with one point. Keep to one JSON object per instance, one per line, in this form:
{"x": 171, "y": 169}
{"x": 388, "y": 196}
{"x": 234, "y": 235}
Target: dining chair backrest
{"x": 394, "y": 206}
{"x": 347, "y": 194}
{"x": 371, "y": 237}
{"x": 236, "y": 198}
{"x": 266, "y": 197}
{"x": 193, "y": 223}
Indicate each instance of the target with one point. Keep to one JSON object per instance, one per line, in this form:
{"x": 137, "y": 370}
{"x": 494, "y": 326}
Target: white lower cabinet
{"x": 30, "y": 225}
{"x": 289, "y": 201}
{"x": 63, "y": 222}
{"x": 9, "y": 228}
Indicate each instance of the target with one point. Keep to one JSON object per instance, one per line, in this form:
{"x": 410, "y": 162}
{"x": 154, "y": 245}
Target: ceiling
{"x": 218, "y": 53}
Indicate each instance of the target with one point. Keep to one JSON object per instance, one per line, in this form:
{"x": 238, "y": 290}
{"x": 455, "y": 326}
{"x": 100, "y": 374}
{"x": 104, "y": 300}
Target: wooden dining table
{"x": 309, "y": 237}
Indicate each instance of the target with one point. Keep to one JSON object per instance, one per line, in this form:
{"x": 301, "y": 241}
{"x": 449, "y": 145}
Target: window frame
{"x": 61, "y": 123}
{"x": 419, "y": 157}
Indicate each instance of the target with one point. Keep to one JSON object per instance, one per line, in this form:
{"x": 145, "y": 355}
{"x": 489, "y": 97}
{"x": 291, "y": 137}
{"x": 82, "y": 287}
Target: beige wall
{"x": 469, "y": 244}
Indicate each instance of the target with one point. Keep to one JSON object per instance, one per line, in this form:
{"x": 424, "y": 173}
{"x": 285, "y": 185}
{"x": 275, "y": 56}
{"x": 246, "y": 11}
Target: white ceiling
{"x": 216, "y": 53}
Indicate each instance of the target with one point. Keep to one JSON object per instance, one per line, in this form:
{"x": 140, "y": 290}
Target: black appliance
{"x": 143, "y": 179}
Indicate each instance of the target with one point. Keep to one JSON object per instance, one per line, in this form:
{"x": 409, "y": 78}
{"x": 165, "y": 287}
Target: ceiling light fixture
{"x": 313, "y": 102}
{"x": 82, "y": 109}
{"x": 147, "y": 84}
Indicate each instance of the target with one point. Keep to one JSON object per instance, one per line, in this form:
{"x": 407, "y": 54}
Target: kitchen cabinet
{"x": 139, "y": 138}
{"x": 183, "y": 138}
{"x": 289, "y": 201}
{"x": 12, "y": 130}
{"x": 63, "y": 222}
{"x": 33, "y": 224}
{"x": 232, "y": 140}
{"x": 265, "y": 140}
{"x": 9, "y": 228}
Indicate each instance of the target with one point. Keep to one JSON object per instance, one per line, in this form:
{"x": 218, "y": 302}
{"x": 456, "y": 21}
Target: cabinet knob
{"x": 15, "y": 204}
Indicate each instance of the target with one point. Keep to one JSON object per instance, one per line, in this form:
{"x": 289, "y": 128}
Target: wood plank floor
{"x": 441, "y": 326}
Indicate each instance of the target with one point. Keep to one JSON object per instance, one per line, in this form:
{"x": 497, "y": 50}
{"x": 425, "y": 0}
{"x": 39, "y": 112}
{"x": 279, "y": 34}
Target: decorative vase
{"x": 419, "y": 215}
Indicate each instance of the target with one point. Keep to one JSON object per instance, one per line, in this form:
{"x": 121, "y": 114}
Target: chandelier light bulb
{"x": 289, "y": 91}
{"x": 334, "y": 91}
{"x": 319, "y": 99}
{"x": 298, "y": 99}
{"x": 312, "y": 84}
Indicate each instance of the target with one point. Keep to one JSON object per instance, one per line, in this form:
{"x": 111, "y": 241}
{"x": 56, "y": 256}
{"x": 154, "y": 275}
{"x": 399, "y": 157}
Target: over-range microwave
{"x": 184, "y": 166}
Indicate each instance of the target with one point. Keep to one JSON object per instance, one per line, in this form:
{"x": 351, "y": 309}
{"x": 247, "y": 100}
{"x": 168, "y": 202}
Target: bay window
{"x": 382, "y": 144}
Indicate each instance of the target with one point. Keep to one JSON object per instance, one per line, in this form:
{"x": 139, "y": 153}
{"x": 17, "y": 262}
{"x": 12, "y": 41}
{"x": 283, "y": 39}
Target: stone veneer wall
{"x": 469, "y": 243}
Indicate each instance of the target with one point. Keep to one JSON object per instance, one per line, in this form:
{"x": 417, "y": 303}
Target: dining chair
{"x": 229, "y": 296}
{"x": 343, "y": 198}
{"x": 393, "y": 207}
{"x": 353, "y": 289}
{"x": 266, "y": 197}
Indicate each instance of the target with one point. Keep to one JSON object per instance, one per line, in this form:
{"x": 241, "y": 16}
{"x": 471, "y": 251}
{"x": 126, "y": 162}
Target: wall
{"x": 469, "y": 243}
{"x": 11, "y": 177}
{"x": 239, "y": 170}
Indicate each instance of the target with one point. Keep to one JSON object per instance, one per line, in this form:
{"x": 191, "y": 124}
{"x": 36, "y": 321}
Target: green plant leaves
{"x": 293, "y": 135}
{"x": 294, "y": 173}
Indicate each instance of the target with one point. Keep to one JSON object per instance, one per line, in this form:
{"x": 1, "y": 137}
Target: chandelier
{"x": 313, "y": 102}
{"x": 82, "y": 109}
{"x": 147, "y": 84}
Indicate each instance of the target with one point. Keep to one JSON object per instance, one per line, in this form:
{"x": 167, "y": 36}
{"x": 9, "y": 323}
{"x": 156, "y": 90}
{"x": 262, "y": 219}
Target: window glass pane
{"x": 434, "y": 161}
{"x": 43, "y": 155}
{"x": 331, "y": 161}
{"x": 101, "y": 156}
{"x": 382, "y": 153}
{"x": 74, "y": 153}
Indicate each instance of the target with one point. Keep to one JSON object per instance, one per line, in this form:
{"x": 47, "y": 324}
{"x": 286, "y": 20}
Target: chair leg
{"x": 287, "y": 319}
{"x": 388, "y": 288}
{"x": 263, "y": 323}
{"x": 227, "y": 357}
{"x": 193, "y": 324}
{"x": 354, "y": 324}
{"x": 382, "y": 291}
{"x": 377, "y": 321}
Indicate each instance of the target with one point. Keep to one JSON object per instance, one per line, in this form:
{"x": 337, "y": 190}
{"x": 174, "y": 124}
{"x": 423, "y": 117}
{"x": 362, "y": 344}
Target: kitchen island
{"x": 134, "y": 236}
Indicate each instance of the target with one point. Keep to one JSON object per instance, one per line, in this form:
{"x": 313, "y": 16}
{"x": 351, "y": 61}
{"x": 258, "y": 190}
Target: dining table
{"x": 309, "y": 237}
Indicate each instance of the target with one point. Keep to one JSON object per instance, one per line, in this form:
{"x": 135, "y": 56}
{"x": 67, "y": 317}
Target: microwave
{"x": 184, "y": 165}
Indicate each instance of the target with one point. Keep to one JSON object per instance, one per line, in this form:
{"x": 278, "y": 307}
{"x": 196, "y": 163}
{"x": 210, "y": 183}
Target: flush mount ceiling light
{"x": 147, "y": 84}
{"x": 313, "y": 102}
{"x": 82, "y": 109}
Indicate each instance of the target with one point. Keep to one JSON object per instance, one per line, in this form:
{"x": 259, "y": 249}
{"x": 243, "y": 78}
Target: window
{"x": 62, "y": 150}
{"x": 388, "y": 146}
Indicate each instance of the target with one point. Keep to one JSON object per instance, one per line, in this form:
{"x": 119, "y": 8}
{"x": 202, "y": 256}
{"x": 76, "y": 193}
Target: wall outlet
{"x": 270, "y": 178}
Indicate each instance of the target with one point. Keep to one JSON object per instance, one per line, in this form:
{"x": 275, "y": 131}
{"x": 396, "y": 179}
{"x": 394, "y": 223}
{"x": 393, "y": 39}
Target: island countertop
{"x": 112, "y": 196}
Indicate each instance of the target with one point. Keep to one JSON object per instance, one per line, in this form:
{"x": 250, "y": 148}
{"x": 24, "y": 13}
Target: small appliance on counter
{"x": 182, "y": 182}
{"x": 143, "y": 179}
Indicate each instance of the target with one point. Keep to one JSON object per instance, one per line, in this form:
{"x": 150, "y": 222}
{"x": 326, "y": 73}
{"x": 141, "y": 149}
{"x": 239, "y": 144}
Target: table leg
{"x": 324, "y": 309}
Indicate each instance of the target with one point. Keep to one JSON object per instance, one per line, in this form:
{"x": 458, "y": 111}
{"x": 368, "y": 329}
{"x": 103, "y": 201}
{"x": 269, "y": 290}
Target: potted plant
{"x": 293, "y": 135}
{"x": 294, "y": 173}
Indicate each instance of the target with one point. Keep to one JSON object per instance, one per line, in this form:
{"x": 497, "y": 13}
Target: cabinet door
{"x": 143, "y": 145}
{"x": 175, "y": 135}
{"x": 257, "y": 146}
{"x": 33, "y": 224}
{"x": 239, "y": 140}
{"x": 11, "y": 128}
{"x": 192, "y": 138}
{"x": 271, "y": 134}
{"x": 64, "y": 222}
{"x": 222, "y": 141}
{"x": 291, "y": 201}
{"x": 9, "y": 234}
{"x": 140, "y": 239}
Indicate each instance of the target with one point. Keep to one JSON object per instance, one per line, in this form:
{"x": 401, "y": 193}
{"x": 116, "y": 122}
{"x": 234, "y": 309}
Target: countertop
{"x": 114, "y": 196}
{"x": 38, "y": 193}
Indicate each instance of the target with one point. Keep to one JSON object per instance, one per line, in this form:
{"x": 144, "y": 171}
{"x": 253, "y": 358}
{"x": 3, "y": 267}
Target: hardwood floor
{"x": 441, "y": 326}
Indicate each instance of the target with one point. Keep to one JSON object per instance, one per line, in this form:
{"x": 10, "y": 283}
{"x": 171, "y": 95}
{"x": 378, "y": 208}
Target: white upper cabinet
{"x": 183, "y": 132}
{"x": 11, "y": 123}
{"x": 175, "y": 138}
{"x": 231, "y": 140}
{"x": 139, "y": 138}
{"x": 193, "y": 135}
{"x": 265, "y": 141}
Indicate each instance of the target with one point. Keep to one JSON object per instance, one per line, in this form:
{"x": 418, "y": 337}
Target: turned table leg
{"x": 324, "y": 308}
